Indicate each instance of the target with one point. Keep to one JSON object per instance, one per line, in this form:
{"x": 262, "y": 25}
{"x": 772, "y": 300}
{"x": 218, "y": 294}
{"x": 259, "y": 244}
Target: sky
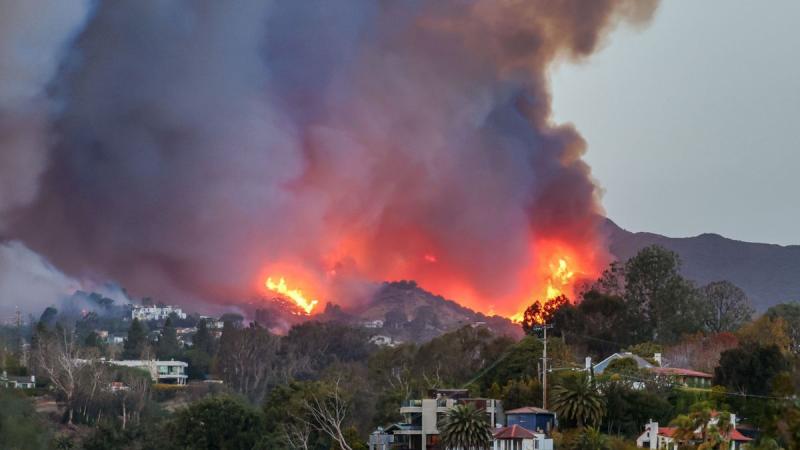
{"x": 693, "y": 122}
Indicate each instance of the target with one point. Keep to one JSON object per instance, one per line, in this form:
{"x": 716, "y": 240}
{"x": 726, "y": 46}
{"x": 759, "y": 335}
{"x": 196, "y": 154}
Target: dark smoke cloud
{"x": 199, "y": 142}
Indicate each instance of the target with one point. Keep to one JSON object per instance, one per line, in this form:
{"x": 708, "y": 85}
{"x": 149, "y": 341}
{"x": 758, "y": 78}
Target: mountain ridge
{"x": 768, "y": 273}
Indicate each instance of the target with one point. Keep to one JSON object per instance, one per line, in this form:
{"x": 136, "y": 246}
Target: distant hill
{"x": 415, "y": 314}
{"x": 769, "y": 274}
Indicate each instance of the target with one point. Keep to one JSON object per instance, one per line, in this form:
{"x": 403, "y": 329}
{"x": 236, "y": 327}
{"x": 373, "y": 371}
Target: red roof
{"x": 514, "y": 432}
{"x": 734, "y": 435}
{"x": 680, "y": 372}
{"x": 737, "y": 436}
{"x": 667, "y": 431}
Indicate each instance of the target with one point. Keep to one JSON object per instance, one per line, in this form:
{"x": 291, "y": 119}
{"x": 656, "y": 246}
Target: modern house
{"x": 655, "y": 437}
{"x": 515, "y": 437}
{"x": 145, "y": 313}
{"x": 168, "y": 372}
{"x": 419, "y": 429}
{"x": 531, "y": 418}
{"x": 12, "y": 382}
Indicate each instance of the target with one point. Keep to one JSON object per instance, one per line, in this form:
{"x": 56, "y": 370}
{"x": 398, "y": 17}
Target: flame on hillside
{"x": 296, "y": 295}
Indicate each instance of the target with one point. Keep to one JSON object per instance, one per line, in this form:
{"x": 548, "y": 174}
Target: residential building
{"x": 420, "y": 427}
{"x": 655, "y": 437}
{"x": 515, "y": 437}
{"x": 686, "y": 377}
{"x": 384, "y": 341}
{"x": 532, "y": 418}
{"x": 12, "y": 382}
{"x": 378, "y": 323}
{"x": 169, "y": 372}
{"x": 640, "y": 362}
{"x": 675, "y": 375}
{"x": 146, "y": 313}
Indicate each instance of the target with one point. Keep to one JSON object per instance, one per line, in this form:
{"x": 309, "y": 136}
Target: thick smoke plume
{"x": 201, "y": 146}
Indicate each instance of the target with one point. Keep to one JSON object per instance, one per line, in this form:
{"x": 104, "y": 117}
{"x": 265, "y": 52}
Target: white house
{"x": 155, "y": 312}
{"x": 655, "y": 437}
{"x": 13, "y": 382}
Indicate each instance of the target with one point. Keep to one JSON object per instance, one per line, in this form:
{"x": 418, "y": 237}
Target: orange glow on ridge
{"x": 296, "y": 295}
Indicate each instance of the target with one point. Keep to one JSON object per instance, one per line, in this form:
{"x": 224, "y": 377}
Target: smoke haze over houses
{"x": 189, "y": 150}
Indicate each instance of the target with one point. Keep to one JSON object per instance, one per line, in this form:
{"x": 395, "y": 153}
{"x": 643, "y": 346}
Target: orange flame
{"x": 296, "y": 295}
{"x": 559, "y": 278}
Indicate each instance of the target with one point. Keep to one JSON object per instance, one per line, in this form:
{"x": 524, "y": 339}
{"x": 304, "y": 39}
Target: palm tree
{"x": 576, "y": 398}
{"x": 593, "y": 439}
{"x": 465, "y": 428}
{"x": 699, "y": 427}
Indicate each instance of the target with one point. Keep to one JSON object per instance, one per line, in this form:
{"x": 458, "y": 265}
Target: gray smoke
{"x": 202, "y": 145}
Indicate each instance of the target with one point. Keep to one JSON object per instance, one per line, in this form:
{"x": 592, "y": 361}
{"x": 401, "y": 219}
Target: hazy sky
{"x": 693, "y": 123}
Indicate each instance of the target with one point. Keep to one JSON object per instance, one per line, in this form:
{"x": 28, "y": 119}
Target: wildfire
{"x": 560, "y": 277}
{"x": 296, "y": 295}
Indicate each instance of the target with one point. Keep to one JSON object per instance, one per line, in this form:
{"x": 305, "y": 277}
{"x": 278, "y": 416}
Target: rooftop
{"x": 514, "y": 432}
{"x": 529, "y": 410}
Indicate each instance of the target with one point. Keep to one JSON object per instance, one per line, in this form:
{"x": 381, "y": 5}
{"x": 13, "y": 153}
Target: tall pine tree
{"x": 136, "y": 342}
{"x": 168, "y": 346}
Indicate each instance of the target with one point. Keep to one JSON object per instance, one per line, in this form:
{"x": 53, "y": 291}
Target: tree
{"x": 218, "y": 423}
{"x": 704, "y": 426}
{"x": 790, "y": 314}
{"x": 540, "y": 313}
{"x": 327, "y": 415}
{"x": 136, "y": 342}
{"x": 750, "y": 369}
{"x": 654, "y": 288}
{"x": 168, "y": 346}
{"x": 465, "y": 428}
{"x": 248, "y": 360}
{"x": 725, "y": 306}
{"x": 203, "y": 340}
{"x": 57, "y": 357}
{"x": 20, "y": 425}
{"x": 576, "y": 398}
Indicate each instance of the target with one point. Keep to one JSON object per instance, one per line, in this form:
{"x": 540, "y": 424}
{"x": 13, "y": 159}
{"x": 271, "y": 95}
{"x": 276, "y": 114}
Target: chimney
{"x": 588, "y": 362}
{"x": 733, "y": 421}
{"x": 33, "y": 379}
{"x": 653, "y": 434}
{"x": 657, "y": 357}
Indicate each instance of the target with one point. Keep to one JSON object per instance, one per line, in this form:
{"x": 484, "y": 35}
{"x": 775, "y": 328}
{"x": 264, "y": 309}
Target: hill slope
{"x": 770, "y": 274}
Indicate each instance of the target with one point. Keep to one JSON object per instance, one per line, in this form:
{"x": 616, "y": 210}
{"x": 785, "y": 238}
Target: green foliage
{"x": 20, "y": 427}
{"x": 628, "y": 409}
{"x": 464, "y": 427}
{"x": 136, "y": 342}
{"x": 219, "y": 423}
{"x": 667, "y": 303}
{"x": 790, "y": 313}
{"x": 168, "y": 346}
{"x": 725, "y": 306}
{"x": 750, "y": 369}
{"x": 577, "y": 399}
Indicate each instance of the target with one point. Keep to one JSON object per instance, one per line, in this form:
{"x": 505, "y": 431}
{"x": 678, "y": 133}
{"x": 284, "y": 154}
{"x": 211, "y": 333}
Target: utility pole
{"x": 544, "y": 327}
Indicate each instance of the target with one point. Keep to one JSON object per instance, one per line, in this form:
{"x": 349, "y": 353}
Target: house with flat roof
{"x": 532, "y": 418}
{"x": 419, "y": 429}
{"x": 168, "y": 372}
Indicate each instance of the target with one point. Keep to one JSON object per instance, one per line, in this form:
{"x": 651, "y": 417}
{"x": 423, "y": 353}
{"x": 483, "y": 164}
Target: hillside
{"x": 411, "y": 313}
{"x": 770, "y": 274}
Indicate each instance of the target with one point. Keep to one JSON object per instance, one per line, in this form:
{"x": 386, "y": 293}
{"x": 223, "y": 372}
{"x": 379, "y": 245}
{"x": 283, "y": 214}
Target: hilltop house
{"x": 655, "y": 437}
{"x": 145, "y": 313}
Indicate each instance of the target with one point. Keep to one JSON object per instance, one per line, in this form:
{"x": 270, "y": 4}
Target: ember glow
{"x": 296, "y": 295}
